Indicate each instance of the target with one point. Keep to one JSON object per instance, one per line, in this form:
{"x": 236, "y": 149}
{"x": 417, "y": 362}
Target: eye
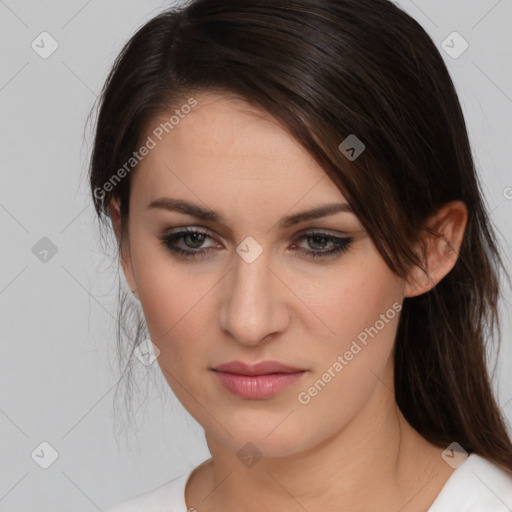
{"x": 189, "y": 242}
{"x": 318, "y": 241}
{"x": 192, "y": 238}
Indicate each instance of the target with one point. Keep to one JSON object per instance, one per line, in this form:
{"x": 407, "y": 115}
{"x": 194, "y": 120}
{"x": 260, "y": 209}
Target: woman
{"x": 298, "y": 213}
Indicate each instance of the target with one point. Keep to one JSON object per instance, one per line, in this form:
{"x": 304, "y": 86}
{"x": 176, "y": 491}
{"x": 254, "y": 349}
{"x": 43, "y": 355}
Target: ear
{"x": 125, "y": 257}
{"x": 440, "y": 253}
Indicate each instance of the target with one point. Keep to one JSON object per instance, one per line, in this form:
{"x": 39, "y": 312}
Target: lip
{"x": 257, "y": 381}
{"x": 262, "y": 368}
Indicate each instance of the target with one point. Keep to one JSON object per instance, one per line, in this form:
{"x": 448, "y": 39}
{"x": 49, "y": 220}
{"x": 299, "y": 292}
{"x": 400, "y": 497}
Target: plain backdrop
{"x": 58, "y": 369}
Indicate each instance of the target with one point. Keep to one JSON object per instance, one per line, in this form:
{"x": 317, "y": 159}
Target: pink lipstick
{"x": 257, "y": 381}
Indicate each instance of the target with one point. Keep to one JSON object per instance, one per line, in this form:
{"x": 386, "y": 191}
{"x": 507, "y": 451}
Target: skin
{"x": 349, "y": 448}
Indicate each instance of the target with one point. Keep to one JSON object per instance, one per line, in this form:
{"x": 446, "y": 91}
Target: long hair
{"x": 328, "y": 69}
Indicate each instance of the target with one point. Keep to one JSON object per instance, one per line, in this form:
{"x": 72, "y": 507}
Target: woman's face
{"x": 263, "y": 290}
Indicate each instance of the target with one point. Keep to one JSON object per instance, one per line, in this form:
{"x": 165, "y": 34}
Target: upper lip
{"x": 262, "y": 368}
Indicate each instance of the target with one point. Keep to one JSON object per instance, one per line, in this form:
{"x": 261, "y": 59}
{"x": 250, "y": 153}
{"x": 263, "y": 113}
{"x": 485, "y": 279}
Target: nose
{"x": 255, "y": 306}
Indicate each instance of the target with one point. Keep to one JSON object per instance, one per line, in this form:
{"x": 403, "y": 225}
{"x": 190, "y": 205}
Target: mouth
{"x": 257, "y": 381}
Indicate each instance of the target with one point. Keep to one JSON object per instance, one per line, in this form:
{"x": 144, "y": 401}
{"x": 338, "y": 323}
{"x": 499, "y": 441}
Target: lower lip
{"x": 257, "y": 387}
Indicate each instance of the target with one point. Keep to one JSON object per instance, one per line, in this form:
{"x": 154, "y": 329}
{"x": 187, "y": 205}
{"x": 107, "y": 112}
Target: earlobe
{"x": 440, "y": 253}
{"x": 420, "y": 280}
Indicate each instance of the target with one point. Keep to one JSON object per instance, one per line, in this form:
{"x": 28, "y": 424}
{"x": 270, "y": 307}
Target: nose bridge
{"x": 252, "y": 309}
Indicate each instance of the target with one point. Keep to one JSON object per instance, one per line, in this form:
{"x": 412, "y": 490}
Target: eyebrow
{"x": 200, "y": 212}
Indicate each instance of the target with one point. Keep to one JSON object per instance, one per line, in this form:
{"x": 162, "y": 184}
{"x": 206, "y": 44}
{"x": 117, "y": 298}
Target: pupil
{"x": 196, "y": 236}
{"x": 316, "y": 239}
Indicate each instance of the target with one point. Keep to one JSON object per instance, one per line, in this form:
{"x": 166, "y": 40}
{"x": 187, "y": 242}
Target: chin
{"x": 262, "y": 442}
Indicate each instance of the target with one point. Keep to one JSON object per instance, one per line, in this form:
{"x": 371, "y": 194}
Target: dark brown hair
{"x": 327, "y": 69}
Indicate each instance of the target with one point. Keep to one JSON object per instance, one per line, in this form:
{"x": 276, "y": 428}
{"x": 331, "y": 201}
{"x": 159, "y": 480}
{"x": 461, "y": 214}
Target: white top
{"x": 477, "y": 485}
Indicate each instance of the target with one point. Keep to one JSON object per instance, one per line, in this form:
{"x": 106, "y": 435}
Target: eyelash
{"x": 342, "y": 244}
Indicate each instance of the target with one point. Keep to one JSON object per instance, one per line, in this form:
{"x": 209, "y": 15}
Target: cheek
{"x": 349, "y": 366}
{"x": 357, "y": 298}
{"x": 175, "y": 304}
{"x": 362, "y": 308}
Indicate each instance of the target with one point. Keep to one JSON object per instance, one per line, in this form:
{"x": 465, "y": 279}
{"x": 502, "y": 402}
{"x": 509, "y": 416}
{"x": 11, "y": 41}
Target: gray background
{"x": 58, "y": 367}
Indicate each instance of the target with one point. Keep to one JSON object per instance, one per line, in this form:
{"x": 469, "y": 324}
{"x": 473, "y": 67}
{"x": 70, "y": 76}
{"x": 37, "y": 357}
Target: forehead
{"x": 225, "y": 146}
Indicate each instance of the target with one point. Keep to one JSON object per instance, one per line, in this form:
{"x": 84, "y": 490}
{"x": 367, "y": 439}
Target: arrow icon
{"x": 44, "y": 455}
{"x": 44, "y": 45}
{"x": 454, "y": 45}
{"x": 249, "y": 249}
{"x": 352, "y": 147}
{"x": 454, "y": 455}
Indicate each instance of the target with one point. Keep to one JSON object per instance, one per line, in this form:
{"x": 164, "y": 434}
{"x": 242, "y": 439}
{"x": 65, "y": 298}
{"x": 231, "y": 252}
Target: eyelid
{"x": 326, "y": 231}
{"x": 207, "y": 231}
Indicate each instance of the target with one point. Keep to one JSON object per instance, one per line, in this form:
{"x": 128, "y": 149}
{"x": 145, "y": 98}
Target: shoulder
{"x": 476, "y": 485}
{"x": 169, "y": 497}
